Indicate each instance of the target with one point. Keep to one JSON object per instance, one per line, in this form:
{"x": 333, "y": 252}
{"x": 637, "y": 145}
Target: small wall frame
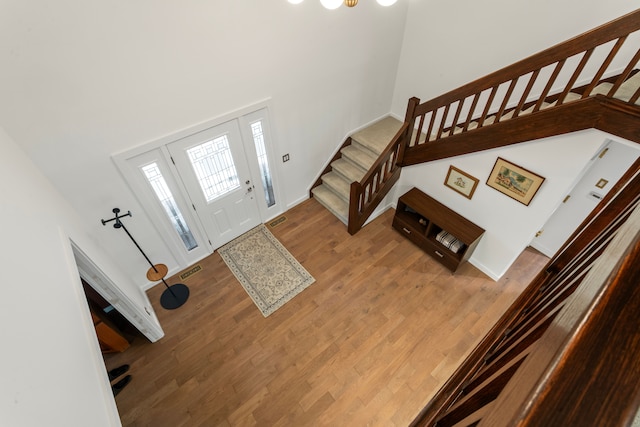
{"x": 461, "y": 182}
{"x": 514, "y": 181}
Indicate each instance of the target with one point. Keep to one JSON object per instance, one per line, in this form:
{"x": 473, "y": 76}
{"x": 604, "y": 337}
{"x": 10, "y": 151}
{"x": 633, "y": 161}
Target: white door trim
{"x": 121, "y": 161}
{"x": 584, "y": 195}
{"x": 101, "y": 283}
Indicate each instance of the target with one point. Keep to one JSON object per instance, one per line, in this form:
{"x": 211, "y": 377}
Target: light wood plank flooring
{"x": 367, "y": 344}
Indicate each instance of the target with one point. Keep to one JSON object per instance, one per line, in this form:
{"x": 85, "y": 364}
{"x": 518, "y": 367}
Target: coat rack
{"x": 174, "y": 296}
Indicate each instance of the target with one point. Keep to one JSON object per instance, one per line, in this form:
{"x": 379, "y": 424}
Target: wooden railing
{"x": 377, "y": 182}
{"x": 565, "y": 353}
{"x": 525, "y": 89}
{"x": 540, "y": 92}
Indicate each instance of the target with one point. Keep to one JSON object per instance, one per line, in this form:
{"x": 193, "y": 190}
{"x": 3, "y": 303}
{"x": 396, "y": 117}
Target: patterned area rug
{"x": 267, "y": 271}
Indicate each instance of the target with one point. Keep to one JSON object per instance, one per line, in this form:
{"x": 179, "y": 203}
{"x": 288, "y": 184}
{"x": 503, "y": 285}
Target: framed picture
{"x": 514, "y": 181}
{"x": 461, "y": 182}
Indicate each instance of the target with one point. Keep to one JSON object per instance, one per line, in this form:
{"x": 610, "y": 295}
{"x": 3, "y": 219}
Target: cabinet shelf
{"x": 442, "y": 233}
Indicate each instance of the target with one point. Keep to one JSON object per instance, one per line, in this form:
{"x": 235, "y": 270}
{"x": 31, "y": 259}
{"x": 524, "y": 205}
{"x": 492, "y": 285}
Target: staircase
{"x": 356, "y": 157}
{"x": 545, "y": 95}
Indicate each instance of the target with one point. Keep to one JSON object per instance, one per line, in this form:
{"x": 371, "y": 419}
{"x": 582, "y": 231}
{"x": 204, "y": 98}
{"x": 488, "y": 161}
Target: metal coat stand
{"x": 174, "y": 296}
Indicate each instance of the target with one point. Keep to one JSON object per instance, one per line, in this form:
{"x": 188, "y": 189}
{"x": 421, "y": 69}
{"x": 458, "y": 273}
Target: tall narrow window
{"x": 160, "y": 187}
{"x": 265, "y": 172}
{"x": 214, "y": 167}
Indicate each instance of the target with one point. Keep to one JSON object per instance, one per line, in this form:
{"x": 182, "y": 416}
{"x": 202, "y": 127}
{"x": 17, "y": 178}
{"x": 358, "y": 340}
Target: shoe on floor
{"x": 117, "y": 387}
{"x": 115, "y": 373}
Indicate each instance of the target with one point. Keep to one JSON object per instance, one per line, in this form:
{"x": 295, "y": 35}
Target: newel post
{"x": 409, "y": 119}
{"x": 354, "y": 212}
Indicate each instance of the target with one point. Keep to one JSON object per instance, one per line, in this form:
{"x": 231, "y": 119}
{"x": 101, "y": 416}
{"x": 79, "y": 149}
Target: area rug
{"x": 267, "y": 271}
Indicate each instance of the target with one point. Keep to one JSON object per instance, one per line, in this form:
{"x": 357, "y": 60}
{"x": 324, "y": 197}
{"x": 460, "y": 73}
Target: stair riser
{"x": 319, "y": 193}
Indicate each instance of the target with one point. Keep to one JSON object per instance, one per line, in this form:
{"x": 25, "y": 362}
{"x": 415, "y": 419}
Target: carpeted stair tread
{"x": 571, "y": 96}
{"x": 337, "y": 184}
{"x": 423, "y": 137}
{"x": 332, "y": 202}
{"x": 530, "y": 109}
{"x": 377, "y": 136}
{"x": 601, "y": 89}
{"x": 628, "y": 88}
{"x": 358, "y": 156}
{"x": 350, "y": 171}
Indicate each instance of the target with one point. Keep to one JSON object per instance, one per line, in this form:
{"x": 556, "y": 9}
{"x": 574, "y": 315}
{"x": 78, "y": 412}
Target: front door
{"x": 213, "y": 167}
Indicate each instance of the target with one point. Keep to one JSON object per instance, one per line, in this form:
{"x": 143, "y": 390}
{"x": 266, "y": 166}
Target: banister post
{"x": 353, "y": 222}
{"x": 409, "y": 118}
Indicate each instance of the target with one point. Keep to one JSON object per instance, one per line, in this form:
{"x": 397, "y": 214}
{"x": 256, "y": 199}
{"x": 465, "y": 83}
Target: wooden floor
{"x": 368, "y": 343}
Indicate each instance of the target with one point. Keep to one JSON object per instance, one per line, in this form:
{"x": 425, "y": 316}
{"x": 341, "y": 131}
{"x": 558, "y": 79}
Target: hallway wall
{"x": 53, "y": 372}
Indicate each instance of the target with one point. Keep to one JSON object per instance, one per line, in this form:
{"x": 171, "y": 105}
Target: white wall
{"x": 83, "y": 79}
{"x": 53, "y": 373}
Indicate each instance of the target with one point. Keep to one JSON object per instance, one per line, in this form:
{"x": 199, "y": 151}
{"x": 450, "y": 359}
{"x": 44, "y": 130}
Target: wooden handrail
{"x": 584, "y": 370}
{"x": 483, "y": 98}
{"x": 573, "y": 326}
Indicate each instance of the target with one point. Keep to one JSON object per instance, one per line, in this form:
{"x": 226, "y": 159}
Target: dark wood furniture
{"x": 421, "y": 218}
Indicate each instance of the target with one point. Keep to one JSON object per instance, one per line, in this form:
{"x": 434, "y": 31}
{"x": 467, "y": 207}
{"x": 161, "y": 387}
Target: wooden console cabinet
{"x": 422, "y": 220}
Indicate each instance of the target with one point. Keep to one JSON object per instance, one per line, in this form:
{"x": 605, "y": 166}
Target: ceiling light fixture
{"x": 331, "y": 4}
{"x": 334, "y": 4}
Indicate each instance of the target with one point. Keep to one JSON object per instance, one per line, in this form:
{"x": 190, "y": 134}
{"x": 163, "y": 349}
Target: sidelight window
{"x": 263, "y": 162}
{"x": 154, "y": 176}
